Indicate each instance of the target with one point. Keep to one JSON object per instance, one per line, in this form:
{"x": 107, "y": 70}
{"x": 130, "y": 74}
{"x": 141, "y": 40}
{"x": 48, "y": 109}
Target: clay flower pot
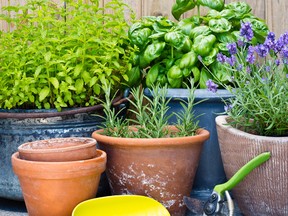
{"x": 55, "y": 188}
{"x": 58, "y": 149}
{"x": 162, "y": 168}
{"x": 264, "y": 190}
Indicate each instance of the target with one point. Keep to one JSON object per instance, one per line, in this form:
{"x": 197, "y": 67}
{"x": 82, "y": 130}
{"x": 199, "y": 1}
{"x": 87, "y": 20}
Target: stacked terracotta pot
{"x": 57, "y": 174}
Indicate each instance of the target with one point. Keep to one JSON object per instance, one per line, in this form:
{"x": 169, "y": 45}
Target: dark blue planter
{"x": 210, "y": 171}
{"x": 20, "y": 126}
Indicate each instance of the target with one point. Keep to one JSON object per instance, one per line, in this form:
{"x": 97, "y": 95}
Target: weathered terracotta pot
{"x": 163, "y": 168}
{"x": 55, "y": 188}
{"x": 58, "y": 149}
{"x": 264, "y": 191}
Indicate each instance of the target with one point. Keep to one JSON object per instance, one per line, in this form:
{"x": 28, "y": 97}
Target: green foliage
{"x": 260, "y": 75}
{"x": 151, "y": 115}
{"x": 166, "y": 44}
{"x": 60, "y": 56}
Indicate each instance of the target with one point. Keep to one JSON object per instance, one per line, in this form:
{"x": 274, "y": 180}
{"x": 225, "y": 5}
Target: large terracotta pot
{"x": 163, "y": 168}
{"x": 264, "y": 191}
{"x": 210, "y": 171}
{"x": 55, "y": 188}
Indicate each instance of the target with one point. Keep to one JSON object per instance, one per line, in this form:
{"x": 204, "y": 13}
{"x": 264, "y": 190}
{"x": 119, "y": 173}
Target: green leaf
{"x": 47, "y": 56}
{"x": 213, "y": 4}
{"x": 240, "y": 9}
{"x": 182, "y": 6}
{"x": 54, "y": 82}
{"x": 86, "y": 76}
{"x": 220, "y": 25}
{"x": 44, "y": 93}
{"x": 79, "y": 84}
{"x": 93, "y": 81}
{"x": 77, "y": 70}
{"x": 38, "y": 71}
{"x": 204, "y": 77}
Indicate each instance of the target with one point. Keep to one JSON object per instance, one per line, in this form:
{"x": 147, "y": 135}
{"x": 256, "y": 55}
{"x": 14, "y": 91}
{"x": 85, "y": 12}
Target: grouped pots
{"x": 56, "y": 187}
{"x": 163, "y": 168}
{"x": 210, "y": 171}
{"x": 21, "y": 126}
{"x": 264, "y": 190}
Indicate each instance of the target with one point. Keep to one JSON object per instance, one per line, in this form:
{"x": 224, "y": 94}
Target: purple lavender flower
{"x": 228, "y": 108}
{"x": 277, "y": 62}
{"x": 231, "y": 61}
{"x": 262, "y": 50}
{"x": 271, "y": 36}
{"x": 270, "y": 41}
{"x": 248, "y": 69}
{"x": 284, "y": 52}
{"x": 281, "y": 42}
{"x": 239, "y": 67}
{"x": 250, "y": 58}
{"x": 211, "y": 86}
{"x": 232, "y": 48}
{"x": 267, "y": 68}
{"x": 240, "y": 43}
{"x": 246, "y": 31}
{"x": 221, "y": 58}
{"x": 286, "y": 75}
{"x": 200, "y": 58}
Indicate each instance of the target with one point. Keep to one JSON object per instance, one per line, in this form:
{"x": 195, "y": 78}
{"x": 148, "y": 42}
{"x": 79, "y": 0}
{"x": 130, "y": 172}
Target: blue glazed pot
{"x": 210, "y": 170}
{"x": 21, "y": 126}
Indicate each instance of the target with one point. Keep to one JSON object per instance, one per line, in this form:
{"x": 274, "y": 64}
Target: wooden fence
{"x": 273, "y": 11}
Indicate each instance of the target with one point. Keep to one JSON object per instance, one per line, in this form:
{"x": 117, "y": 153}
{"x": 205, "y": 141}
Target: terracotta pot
{"x": 58, "y": 149}
{"x": 264, "y": 190}
{"x": 55, "y": 188}
{"x": 163, "y": 168}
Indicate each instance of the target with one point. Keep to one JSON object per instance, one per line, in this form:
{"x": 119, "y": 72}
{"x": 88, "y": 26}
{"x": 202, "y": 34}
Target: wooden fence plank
{"x": 274, "y": 12}
{"x": 276, "y": 16}
{"x": 157, "y": 7}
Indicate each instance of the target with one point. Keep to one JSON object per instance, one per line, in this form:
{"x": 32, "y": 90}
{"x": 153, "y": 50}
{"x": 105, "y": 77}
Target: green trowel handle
{"x": 242, "y": 173}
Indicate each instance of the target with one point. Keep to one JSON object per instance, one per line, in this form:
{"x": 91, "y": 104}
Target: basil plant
{"x": 170, "y": 52}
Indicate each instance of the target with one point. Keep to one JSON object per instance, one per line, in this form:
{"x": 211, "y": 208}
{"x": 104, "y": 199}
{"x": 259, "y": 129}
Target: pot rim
{"x": 85, "y": 143}
{"x": 221, "y": 121}
{"x": 201, "y": 136}
{"x": 100, "y": 155}
{"x": 59, "y": 170}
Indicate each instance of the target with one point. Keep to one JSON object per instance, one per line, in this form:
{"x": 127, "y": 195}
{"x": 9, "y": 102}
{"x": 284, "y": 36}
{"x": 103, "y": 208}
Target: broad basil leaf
{"x": 240, "y": 9}
{"x": 213, "y": 4}
{"x": 181, "y": 6}
{"x": 220, "y": 25}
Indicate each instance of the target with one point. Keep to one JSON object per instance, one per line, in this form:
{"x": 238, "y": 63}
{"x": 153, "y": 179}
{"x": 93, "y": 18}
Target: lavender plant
{"x": 259, "y": 74}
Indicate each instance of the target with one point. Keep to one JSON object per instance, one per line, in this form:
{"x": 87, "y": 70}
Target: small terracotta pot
{"x": 58, "y": 149}
{"x": 55, "y": 188}
{"x": 162, "y": 168}
{"x": 264, "y": 191}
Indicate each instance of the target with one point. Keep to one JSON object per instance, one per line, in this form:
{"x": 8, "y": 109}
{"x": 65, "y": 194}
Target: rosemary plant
{"x": 151, "y": 116}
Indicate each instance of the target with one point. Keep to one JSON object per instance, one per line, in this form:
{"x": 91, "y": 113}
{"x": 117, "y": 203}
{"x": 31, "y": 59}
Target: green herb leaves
{"x": 59, "y": 56}
{"x": 150, "y": 115}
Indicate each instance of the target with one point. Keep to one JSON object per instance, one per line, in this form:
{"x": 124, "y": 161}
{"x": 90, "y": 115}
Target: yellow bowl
{"x": 120, "y": 205}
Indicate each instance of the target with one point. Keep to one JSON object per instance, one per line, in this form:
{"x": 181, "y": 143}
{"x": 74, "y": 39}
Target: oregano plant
{"x": 59, "y": 55}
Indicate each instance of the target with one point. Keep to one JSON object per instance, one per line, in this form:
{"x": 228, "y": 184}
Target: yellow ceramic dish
{"x": 120, "y": 205}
